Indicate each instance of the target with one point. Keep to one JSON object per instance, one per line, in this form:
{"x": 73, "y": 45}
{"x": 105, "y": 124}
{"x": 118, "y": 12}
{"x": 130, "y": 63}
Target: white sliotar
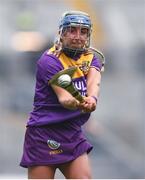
{"x": 64, "y": 80}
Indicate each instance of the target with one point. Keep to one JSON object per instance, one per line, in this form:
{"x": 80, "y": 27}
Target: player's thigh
{"x": 41, "y": 172}
{"x": 78, "y": 168}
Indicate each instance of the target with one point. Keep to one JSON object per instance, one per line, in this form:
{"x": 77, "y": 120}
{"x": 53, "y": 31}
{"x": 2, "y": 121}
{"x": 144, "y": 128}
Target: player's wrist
{"x": 95, "y": 98}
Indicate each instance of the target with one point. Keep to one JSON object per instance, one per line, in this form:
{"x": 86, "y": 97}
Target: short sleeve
{"x": 48, "y": 66}
{"x": 96, "y": 63}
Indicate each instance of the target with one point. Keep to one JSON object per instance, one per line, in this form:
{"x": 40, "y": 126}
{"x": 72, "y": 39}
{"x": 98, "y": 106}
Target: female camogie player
{"x": 54, "y": 138}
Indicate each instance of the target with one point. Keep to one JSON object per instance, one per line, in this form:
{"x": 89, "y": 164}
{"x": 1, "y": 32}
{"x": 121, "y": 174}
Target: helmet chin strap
{"x": 72, "y": 53}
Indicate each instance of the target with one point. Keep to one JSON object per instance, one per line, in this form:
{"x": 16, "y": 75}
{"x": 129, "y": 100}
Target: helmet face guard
{"x": 75, "y": 19}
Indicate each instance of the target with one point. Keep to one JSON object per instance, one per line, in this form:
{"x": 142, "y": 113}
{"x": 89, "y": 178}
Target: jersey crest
{"x": 84, "y": 67}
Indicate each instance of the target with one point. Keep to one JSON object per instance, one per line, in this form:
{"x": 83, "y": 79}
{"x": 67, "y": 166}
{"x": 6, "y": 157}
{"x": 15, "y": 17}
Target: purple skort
{"x": 53, "y": 144}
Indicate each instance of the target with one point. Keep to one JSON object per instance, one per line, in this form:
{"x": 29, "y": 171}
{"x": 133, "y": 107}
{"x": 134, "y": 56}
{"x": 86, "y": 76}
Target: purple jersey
{"x": 47, "y": 109}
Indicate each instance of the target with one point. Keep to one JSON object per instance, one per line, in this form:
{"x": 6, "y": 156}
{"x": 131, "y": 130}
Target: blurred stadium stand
{"x": 117, "y": 127}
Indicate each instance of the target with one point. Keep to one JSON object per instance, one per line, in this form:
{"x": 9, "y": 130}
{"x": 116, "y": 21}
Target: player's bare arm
{"x": 93, "y": 82}
{"x": 93, "y": 87}
{"x": 65, "y": 98}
